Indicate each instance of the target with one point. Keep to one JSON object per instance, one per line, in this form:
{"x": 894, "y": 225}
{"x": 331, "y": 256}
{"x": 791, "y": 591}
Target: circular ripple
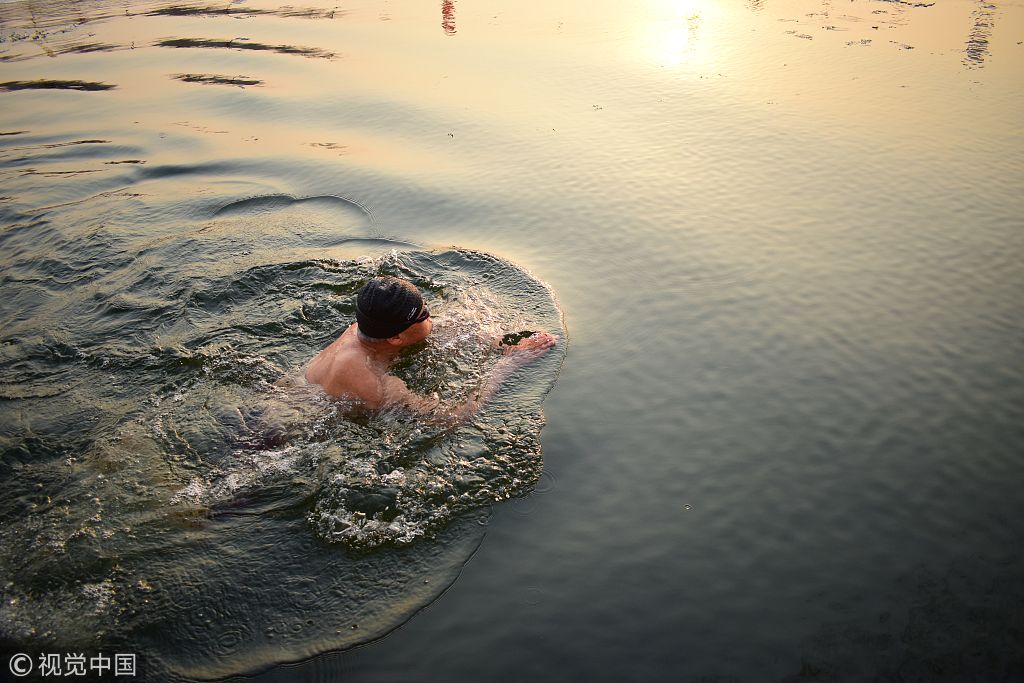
{"x": 533, "y": 596}
{"x": 306, "y": 592}
{"x": 546, "y": 482}
{"x": 525, "y": 504}
{"x": 230, "y": 640}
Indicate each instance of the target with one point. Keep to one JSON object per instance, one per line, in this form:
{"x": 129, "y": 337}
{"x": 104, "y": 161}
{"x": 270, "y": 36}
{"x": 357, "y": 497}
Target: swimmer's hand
{"x": 531, "y": 347}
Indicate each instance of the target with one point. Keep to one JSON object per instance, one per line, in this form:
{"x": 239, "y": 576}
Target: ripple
{"x": 48, "y": 84}
{"x": 230, "y": 640}
{"x": 244, "y": 44}
{"x": 533, "y": 596}
{"x": 306, "y": 593}
{"x": 524, "y": 505}
{"x": 238, "y": 10}
{"x": 977, "y": 49}
{"x": 546, "y": 483}
{"x": 268, "y": 203}
{"x": 253, "y": 521}
{"x": 214, "y": 79}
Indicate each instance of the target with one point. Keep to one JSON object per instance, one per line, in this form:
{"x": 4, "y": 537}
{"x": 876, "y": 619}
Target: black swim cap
{"x": 385, "y": 306}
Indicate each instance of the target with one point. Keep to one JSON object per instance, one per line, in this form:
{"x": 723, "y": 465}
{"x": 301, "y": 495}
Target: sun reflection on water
{"x": 674, "y": 32}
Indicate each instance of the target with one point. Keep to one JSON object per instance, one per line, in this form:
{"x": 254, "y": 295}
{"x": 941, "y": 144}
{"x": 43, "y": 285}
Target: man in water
{"x": 390, "y": 316}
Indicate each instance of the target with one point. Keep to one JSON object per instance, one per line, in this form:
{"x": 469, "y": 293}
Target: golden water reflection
{"x": 447, "y": 79}
{"x": 700, "y": 144}
{"x": 673, "y": 36}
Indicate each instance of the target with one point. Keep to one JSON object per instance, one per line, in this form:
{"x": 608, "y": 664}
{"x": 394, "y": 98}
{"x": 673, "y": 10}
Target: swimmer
{"x": 391, "y": 316}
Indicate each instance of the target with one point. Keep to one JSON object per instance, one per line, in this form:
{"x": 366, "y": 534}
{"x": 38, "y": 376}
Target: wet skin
{"x": 356, "y": 367}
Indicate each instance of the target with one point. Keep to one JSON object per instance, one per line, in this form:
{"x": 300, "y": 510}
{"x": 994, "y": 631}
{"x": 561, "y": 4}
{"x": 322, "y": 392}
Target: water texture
{"x": 170, "y": 478}
{"x": 786, "y": 236}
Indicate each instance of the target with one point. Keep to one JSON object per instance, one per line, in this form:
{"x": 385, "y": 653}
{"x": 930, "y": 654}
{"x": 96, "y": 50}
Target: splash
{"x": 174, "y": 487}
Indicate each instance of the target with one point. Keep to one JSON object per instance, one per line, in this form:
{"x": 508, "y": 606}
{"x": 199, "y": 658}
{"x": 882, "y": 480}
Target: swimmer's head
{"x": 388, "y": 306}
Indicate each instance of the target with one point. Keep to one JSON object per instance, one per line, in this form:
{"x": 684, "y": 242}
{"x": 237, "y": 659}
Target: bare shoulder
{"x": 343, "y": 371}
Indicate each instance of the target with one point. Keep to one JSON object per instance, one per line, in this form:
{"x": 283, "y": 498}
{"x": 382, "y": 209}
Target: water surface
{"x": 786, "y": 238}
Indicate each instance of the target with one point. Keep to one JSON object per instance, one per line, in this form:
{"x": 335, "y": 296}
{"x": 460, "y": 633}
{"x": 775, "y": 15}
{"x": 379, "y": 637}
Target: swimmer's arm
{"x": 514, "y": 356}
{"x": 396, "y": 393}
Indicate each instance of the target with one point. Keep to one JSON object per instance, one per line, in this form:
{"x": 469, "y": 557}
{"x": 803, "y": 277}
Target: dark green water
{"x": 174, "y": 488}
{"x": 783, "y": 243}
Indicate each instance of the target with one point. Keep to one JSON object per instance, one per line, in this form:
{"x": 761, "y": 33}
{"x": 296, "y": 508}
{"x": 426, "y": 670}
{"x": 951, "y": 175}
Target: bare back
{"x": 345, "y": 369}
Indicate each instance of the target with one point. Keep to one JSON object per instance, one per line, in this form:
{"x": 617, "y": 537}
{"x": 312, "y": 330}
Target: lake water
{"x": 782, "y": 437}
